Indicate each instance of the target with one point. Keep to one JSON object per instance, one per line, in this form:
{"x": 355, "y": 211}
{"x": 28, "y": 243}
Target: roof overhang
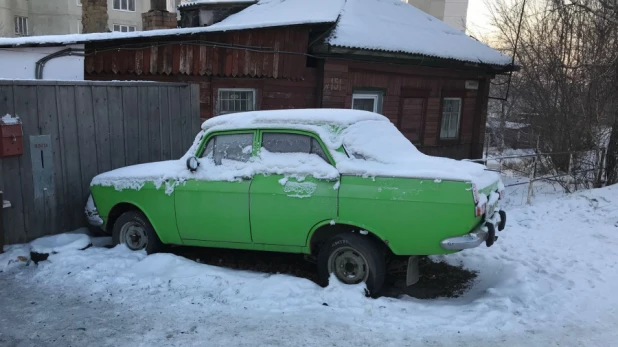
{"x": 325, "y": 50}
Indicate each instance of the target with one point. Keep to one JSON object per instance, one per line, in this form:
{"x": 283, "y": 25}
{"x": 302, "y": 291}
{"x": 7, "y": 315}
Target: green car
{"x": 344, "y": 187}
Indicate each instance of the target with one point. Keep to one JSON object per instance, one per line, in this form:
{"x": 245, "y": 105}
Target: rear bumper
{"x": 484, "y": 233}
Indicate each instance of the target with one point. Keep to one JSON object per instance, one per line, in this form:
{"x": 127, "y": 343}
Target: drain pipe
{"x": 40, "y": 64}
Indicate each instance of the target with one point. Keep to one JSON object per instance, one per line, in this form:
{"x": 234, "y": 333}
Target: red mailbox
{"x": 12, "y": 137}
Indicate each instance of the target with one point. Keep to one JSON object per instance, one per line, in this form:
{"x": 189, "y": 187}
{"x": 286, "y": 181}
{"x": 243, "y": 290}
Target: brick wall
{"x": 94, "y": 16}
{"x": 158, "y": 19}
{"x": 395, "y": 83}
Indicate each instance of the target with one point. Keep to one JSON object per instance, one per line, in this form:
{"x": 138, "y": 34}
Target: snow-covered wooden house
{"x": 386, "y": 56}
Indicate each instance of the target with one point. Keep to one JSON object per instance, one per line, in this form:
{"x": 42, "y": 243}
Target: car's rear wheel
{"x": 353, "y": 259}
{"x": 133, "y": 230}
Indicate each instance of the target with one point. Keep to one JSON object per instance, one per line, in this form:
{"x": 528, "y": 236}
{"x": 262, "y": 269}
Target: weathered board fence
{"x": 85, "y": 128}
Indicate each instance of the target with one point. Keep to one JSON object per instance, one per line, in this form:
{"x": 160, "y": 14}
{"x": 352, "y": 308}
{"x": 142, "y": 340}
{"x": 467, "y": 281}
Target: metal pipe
{"x": 40, "y": 64}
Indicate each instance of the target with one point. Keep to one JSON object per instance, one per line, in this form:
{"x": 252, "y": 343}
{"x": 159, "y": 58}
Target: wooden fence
{"x": 92, "y": 127}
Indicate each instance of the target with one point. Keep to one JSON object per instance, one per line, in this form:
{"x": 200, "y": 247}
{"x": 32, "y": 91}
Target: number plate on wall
{"x": 42, "y": 158}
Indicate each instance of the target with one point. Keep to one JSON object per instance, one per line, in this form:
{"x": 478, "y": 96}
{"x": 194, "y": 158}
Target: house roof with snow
{"x": 375, "y": 25}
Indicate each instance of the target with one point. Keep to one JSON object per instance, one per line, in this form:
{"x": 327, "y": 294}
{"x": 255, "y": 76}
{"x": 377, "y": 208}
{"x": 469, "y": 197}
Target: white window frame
{"x": 23, "y": 24}
{"x": 458, "y": 125}
{"x": 367, "y": 96}
{"x": 120, "y": 26}
{"x": 125, "y": 9}
{"x": 219, "y": 90}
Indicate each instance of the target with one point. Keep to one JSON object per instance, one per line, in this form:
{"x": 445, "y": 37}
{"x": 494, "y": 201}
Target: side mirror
{"x": 192, "y": 164}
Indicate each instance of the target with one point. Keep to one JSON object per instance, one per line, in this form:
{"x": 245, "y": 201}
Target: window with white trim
{"x": 367, "y": 101}
{"x": 124, "y": 28}
{"x": 235, "y": 100}
{"x": 21, "y": 26}
{"x": 451, "y": 115}
{"x": 124, "y": 5}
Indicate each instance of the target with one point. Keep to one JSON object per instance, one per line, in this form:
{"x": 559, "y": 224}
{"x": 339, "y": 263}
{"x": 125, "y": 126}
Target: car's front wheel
{"x": 133, "y": 230}
{"x": 353, "y": 259}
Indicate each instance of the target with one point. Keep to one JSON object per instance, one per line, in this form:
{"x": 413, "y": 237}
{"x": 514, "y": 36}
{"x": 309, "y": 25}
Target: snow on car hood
{"x": 377, "y": 148}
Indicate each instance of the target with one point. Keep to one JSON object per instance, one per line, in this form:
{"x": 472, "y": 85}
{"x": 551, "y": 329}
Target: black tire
{"x": 366, "y": 248}
{"x": 153, "y": 243}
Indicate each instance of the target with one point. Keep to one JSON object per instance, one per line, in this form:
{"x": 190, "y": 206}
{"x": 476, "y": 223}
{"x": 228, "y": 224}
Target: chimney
{"x": 94, "y": 16}
{"x": 158, "y": 17}
{"x": 205, "y": 13}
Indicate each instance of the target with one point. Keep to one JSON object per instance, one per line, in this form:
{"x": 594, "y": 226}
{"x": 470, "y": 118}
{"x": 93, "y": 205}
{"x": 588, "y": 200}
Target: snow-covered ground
{"x": 549, "y": 280}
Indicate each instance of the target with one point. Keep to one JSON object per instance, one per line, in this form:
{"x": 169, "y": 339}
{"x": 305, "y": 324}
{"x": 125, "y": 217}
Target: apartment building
{"x": 453, "y": 12}
{"x": 50, "y": 17}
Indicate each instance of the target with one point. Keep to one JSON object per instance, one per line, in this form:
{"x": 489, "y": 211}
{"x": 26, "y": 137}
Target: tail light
{"x": 480, "y": 202}
{"x": 480, "y": 210}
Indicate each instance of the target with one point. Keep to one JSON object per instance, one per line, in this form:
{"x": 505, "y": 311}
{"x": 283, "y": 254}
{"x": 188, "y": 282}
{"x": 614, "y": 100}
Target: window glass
{"x": 292, "y": 143}
{"x": 236, "y": 147}
{"x": 367, "y": 101}
{"x": 123, "y": 28}
{"x": 209, "y": 147}
{"x": 316, "y": 148}
{"x": 236, "y": 100}
{"x": 21, "y": 26}
{"x": 451, "y": 113}
{"x": 364, "y": 104}
{"x": 125, "y": 5}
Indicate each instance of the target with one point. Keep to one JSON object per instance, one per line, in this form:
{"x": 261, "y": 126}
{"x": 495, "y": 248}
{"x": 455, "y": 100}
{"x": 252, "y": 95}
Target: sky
{"x": 478, "y": 17}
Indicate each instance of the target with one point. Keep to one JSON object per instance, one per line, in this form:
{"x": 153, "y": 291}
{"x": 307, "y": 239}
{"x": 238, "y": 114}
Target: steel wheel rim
{"x": 133, "y": 234}
{"x": 348, "y": 265}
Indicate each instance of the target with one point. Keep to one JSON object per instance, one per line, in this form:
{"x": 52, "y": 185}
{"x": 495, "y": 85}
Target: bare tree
{"x": 567, "y": 88}
{"x": 605, "y": 18}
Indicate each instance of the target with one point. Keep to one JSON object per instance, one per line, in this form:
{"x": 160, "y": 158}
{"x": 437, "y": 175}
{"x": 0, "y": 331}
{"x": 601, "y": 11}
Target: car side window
{"x": 292, "y": 143}
{"x": 236, "y": 147}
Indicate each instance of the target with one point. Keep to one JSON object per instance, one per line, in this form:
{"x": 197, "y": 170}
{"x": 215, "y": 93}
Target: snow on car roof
{"x": 374, "y": 146}
{"x": 382, "y": 25}
{"x": 288, "y": 118}
{"x": 326, "y": 123}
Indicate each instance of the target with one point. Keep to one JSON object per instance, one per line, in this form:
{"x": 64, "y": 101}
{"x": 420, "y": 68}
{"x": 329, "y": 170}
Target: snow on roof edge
{"x": 72, "y": 39}
{"x": 205, "y": 2}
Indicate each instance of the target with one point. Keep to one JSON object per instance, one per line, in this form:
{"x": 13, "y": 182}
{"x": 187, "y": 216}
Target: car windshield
{"x": 377, "y": 141}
